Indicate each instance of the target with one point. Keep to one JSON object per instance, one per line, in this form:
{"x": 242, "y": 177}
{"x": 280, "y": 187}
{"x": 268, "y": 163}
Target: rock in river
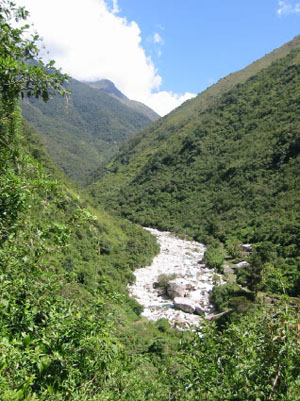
{"x": 176, "y": 288}
{"x": 184, "y": 304}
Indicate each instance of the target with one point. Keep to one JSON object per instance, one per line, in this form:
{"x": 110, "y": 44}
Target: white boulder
{"x": 176, "y": 288}
{"x": 184, "y": 304}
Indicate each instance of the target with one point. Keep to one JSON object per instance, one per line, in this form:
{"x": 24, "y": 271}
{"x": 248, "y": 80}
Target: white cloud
{"x": 157, "y": 38}
{"x": 158, "y": 43}
{"x": 90, "y": 41}
{"x": 167, "y": 101}
{"x": 287, "y": 7}
{"x": 115, "y": 9}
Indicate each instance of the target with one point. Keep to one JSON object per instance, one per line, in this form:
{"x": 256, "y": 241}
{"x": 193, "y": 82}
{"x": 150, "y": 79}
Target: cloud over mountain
{"x": 90, "y": 41}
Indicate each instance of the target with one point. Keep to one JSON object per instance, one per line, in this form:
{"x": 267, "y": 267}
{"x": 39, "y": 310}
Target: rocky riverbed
{"x": 186, "y": 299}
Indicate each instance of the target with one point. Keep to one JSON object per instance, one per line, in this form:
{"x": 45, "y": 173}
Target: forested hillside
{"x": 231, "y": 171}
{"x": 83, "y": 132}
{"x": 65, "y": 314}
{"x": 64, "y": 269}
{"x": 68, "y": 329}
{"x": 105, "y": 85}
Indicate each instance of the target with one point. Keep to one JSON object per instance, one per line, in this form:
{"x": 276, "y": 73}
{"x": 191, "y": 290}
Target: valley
{"x": 82, "y": 131}
{"x": 146, "y": 258}
{"x": 228, "y": 173}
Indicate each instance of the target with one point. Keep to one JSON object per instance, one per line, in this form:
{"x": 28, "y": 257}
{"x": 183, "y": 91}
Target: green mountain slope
{"x": 105, "y": 85}
{"x": 222, "y": 166}
{"x": 83, "y": 133}
{"x": 149, "y": 139}
{"x": 68, "y": 330}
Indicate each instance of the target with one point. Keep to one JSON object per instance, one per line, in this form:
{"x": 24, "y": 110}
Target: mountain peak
{"x": 107, "y": 86}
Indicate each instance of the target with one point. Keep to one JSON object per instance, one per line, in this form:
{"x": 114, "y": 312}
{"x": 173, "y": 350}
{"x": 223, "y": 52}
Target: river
{"x": 182, "y": 259}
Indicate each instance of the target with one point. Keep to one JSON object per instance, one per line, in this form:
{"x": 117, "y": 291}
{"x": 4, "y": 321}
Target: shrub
{"x": 222, "y": 296}
{"x": 163, "y": 325}
{"x": 232, "y": 246}
{"x": 214, "y": 258}
{"x": 164, "y": 279}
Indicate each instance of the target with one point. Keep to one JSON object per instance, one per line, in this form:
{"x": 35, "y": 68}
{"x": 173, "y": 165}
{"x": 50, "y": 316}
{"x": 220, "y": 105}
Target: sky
{"x": 161, "y": 52}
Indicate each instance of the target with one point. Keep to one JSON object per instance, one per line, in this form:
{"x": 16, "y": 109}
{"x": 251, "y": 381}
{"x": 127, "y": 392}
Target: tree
{"x": 22, "y": 71}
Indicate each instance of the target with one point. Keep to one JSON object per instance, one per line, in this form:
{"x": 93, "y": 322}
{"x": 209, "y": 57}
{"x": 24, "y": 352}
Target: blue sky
{"x": 204, "y": 40}
{"x": 161, "y": 52}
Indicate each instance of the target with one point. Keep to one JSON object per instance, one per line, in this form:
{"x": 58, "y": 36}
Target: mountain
{"x": 224, "y": 165}
{"x": 107, "y": 86}
{"x": 81, "y": 134}
{"x": 69, "y": 330}
{"x": 64, "y": 270}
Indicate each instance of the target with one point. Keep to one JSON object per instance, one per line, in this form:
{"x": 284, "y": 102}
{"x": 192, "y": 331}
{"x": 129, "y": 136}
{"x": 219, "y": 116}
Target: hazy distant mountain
{"x": 105, "y": 85}
{"x": 82, "y": 134}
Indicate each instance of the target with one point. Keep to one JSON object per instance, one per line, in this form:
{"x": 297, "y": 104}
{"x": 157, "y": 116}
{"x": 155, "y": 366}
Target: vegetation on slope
{"x": 64, "y": 305}
{"x": 149, "y": 139}
{"x": 64, "y": 270}
{"x": 231, "y": 172}
{"x": 107, "y": 86}
{"x": 86, "y": 131}
{"x": 68, "y": 330}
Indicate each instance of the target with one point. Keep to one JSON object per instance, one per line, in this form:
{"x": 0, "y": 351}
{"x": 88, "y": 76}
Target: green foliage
{"x": 63, "y": 274}
{"x": 256, "y": 359}
{"x": 214, "y": 257}
{"x": 16, "y": 75}
{"x": 68, "y": 330}
{"x": 223, "y": 168}
{"x": 232, "y": 247}
{"x": 163, "y": 325}
{"x": 86, "y": 131}
{"x": 163, "y": 280}
{"x": 225, "y": 297}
